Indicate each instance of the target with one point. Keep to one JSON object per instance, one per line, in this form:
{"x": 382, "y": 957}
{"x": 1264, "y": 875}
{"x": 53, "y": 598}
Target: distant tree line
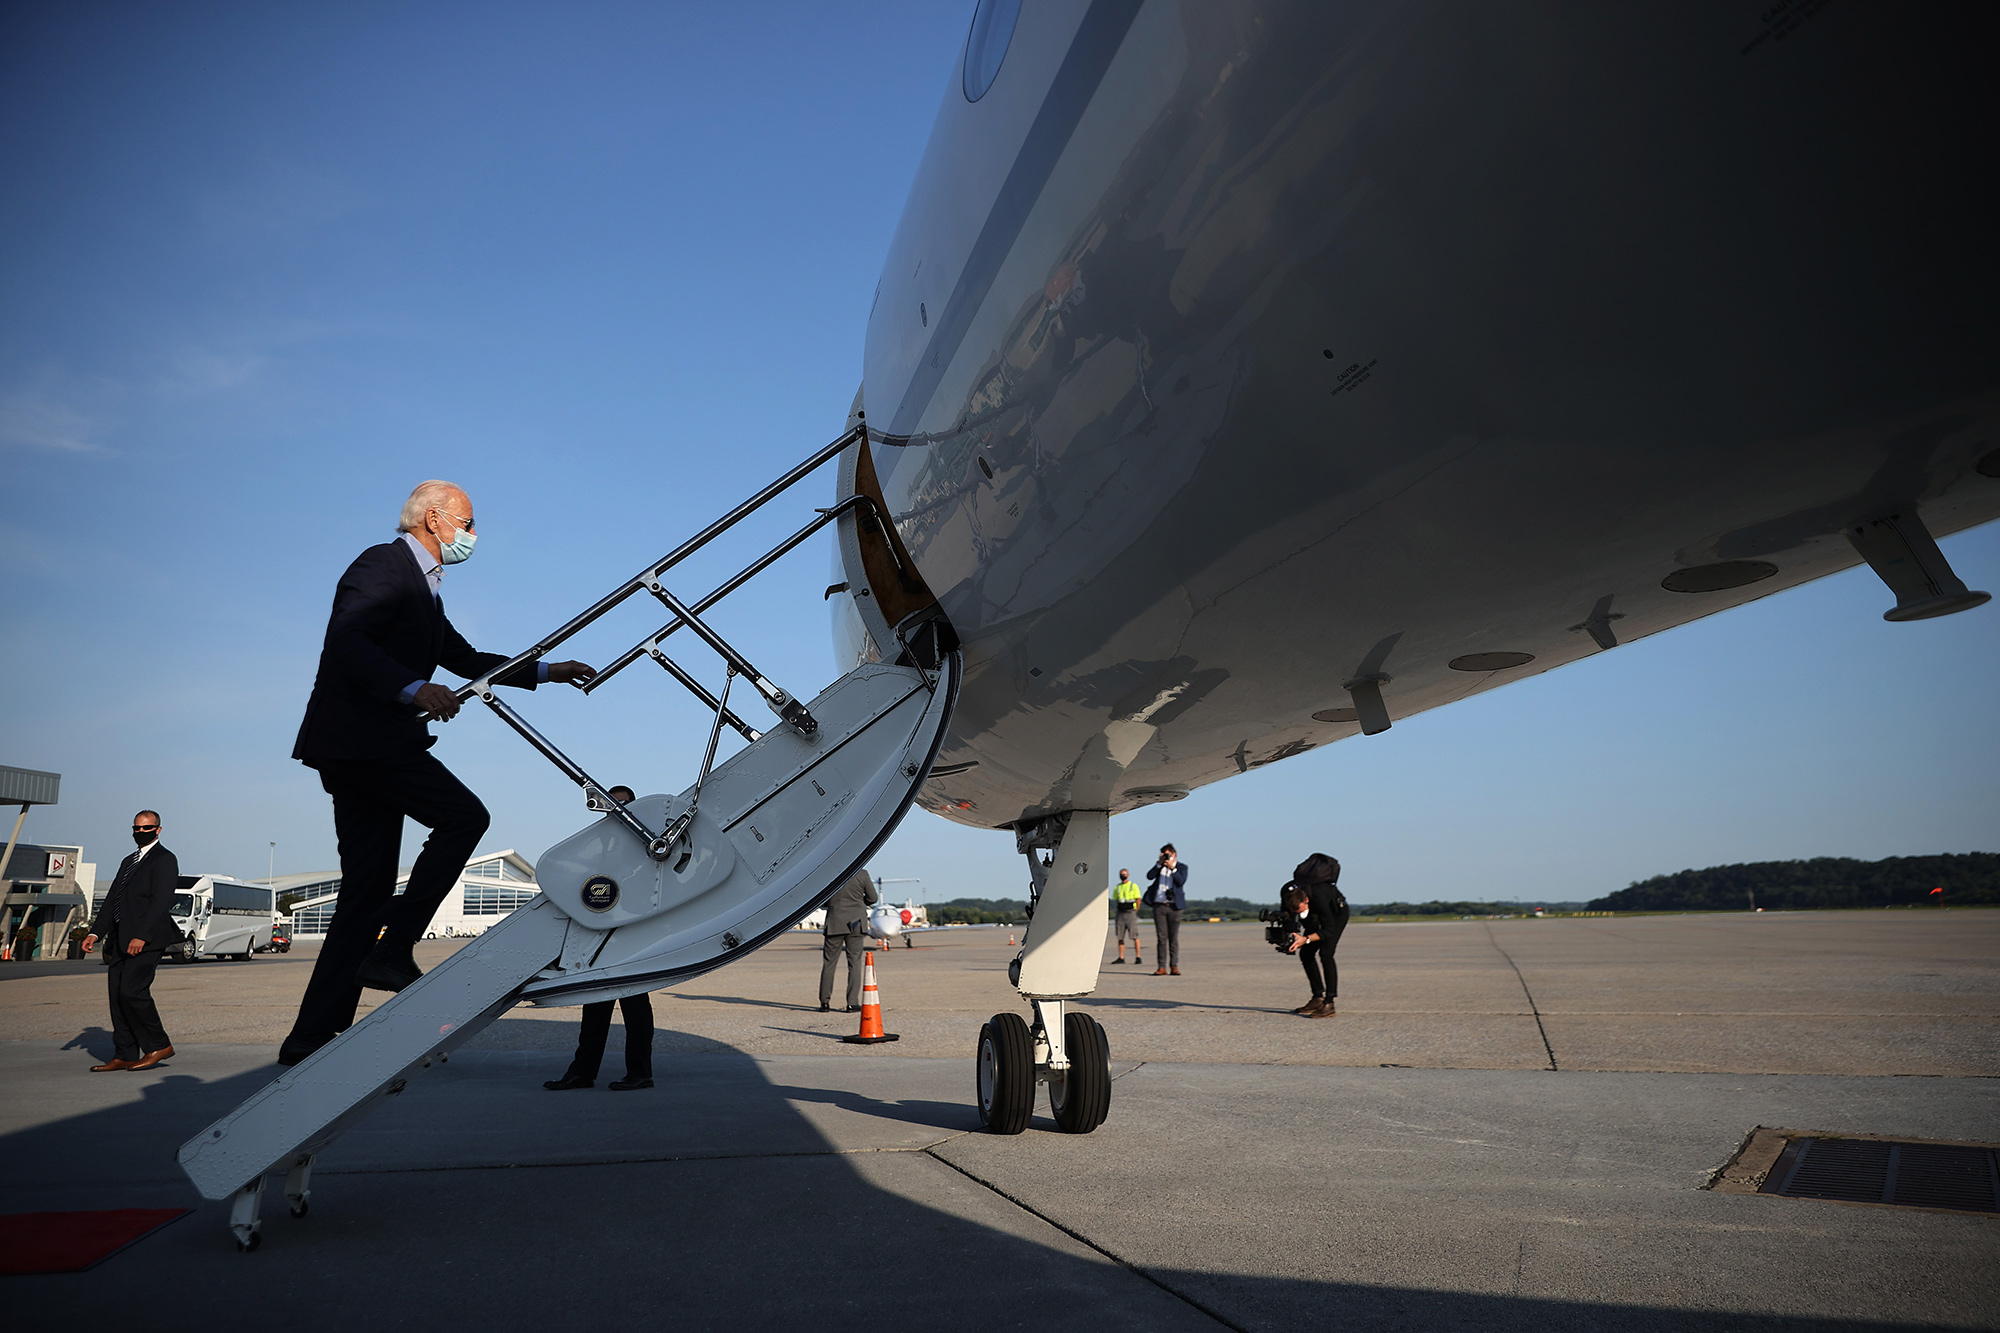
{"x": 977, "y": 911}
{"x": 1824, "y": 881}
{"x": 1002, "y": 911}
{"x": 1229, "y": 909}
{"x": 1438, "y": 909}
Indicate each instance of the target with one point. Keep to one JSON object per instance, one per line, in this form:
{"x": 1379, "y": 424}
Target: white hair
{"x": 429, "y": 495}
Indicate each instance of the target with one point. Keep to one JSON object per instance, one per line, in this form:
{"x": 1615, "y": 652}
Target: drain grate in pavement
{"x": 1913, "y": 1175}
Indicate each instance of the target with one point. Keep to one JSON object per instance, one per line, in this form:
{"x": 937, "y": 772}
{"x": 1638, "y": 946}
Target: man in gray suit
{"x": 846, "y": 929}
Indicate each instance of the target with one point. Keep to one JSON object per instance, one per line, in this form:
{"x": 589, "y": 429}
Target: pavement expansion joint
{"x": 1092, "y": 1245}
{"x": 1531, "y": 997}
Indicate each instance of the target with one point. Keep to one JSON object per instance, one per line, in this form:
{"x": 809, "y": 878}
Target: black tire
{"x": 1083, "y": 1098}
{"x": 1004, "y": 1074}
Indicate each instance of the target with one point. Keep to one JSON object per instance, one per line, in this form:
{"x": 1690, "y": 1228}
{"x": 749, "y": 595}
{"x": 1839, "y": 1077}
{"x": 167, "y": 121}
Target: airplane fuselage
{"x": 1231, "y": 355}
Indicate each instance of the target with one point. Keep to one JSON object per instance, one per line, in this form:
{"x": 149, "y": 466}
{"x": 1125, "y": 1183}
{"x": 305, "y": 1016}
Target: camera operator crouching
{"x": 1318, "y": 912}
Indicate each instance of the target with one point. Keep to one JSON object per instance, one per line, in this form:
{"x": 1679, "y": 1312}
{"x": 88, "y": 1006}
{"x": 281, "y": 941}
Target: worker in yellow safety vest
{"x": 1125, "y": 898}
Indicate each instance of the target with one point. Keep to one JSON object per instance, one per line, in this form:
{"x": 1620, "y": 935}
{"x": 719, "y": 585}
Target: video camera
{"x": 1279, "y": 927}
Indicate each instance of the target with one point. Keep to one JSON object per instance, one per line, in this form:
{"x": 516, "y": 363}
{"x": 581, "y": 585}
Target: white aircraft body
{"x": 1244, "y": 376}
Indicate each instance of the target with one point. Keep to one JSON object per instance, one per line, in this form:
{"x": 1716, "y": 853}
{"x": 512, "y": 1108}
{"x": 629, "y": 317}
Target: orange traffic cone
{"x": 871, "y": 1007}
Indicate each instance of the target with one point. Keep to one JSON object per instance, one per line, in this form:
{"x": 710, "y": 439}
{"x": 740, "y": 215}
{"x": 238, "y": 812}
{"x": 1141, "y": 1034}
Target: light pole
{"x": 271, "y": 869}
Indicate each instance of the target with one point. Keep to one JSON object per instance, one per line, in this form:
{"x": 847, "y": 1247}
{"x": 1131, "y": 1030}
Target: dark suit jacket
{"x": 386, "y": 631}
{"x": 140, "y": 903}
{"x": 1173, "y": 884}
{"x": 1326, "y": 903}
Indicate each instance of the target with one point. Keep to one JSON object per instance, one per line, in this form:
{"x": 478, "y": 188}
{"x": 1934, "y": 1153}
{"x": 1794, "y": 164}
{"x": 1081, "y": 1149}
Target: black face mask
{"x": 143, "y": 839}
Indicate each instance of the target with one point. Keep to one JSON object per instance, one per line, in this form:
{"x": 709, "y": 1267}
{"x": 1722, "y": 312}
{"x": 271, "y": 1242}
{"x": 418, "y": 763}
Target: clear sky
{"x": 264, "y": 267}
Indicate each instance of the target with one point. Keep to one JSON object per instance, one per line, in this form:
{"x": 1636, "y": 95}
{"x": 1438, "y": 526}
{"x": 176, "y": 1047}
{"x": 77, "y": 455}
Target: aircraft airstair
{"x": 654, "y": 892}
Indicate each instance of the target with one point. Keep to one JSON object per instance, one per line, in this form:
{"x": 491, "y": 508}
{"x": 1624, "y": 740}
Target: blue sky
{"x": 265, "y": 267}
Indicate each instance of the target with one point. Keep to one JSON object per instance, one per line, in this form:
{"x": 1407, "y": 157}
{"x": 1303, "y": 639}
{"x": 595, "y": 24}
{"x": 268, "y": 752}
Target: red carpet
{"x": 72, "y": 1242}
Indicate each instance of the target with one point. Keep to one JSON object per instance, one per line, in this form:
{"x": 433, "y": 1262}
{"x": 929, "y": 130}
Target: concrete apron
{"x": 854, "y": 1191}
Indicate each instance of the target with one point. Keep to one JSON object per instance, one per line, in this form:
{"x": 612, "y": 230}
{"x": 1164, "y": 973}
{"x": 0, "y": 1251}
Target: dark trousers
{"x": 597, "y": 1030}
{"x": 1321, "y": 971}
{"x": 853, "y": 946}
{"x": 1166, "y": 936}
{"x": 136, "y": 1029}
{"x": 1323, "y": 982}
{"x": 370, "y": 800}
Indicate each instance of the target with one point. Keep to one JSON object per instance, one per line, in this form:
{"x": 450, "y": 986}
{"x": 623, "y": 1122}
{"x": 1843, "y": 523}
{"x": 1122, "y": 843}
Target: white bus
{"x": 222, "y": 917}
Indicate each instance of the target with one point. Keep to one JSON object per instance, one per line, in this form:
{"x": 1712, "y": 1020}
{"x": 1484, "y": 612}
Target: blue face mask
{"x": 458, "y": 548}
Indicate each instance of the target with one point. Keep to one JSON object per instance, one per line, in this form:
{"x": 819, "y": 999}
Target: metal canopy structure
{"x": 28, "y": 786}
{"x": 23, "y": 787}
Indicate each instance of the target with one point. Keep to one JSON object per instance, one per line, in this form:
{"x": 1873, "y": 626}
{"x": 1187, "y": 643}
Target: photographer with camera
{"x": 1168, "y": 879}
{"x": 1319, "y": 911}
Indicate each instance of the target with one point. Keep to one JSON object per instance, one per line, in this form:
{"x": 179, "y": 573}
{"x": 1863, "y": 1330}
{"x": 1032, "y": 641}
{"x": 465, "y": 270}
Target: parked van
{"x": 222, "y": 918}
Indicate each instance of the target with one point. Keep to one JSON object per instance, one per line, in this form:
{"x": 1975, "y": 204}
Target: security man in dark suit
{"x": 365, "y": 732}
{"x": 137, "y": 926}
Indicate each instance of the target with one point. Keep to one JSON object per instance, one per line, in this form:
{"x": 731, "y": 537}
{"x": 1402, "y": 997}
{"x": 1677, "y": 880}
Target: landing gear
{"x": 1058, "y": 962}
{"x": 1013, "y": 1058}
{"x": 1006, "y": 1074}
{"x": 1082, "y": 1097}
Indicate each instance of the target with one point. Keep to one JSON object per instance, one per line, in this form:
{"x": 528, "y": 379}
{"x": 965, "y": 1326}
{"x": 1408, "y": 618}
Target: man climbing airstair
{"x": 652, "y": 892}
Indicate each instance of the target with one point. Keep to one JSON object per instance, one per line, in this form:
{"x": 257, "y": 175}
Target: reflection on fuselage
{"x": 1233, "y": 361}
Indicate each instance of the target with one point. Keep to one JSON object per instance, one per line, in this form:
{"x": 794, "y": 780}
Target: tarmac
{"x": 1509, "y": 1125}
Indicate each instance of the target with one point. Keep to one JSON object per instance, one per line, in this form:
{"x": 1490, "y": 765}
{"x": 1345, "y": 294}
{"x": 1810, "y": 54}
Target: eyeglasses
{"x": 465, "y": 523}
{"x": 145, "y": 828}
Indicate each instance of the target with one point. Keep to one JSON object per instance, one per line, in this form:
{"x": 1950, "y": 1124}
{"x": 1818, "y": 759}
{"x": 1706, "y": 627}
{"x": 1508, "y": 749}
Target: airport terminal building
{"x": 490, "y": 886}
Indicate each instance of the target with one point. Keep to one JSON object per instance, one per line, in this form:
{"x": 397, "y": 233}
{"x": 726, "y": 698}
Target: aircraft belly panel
{"x": 1412, "y": 335}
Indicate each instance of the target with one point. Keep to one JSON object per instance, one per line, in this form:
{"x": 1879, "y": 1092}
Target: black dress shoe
{"x": 570, "y": 1082}
{"x": 825, "y": 1008}
{"x": 853, "y": 1008}
{"x": 387, "y": 967}
{"x": 295, "y": 1050}
{"x": 630, "y": 1084}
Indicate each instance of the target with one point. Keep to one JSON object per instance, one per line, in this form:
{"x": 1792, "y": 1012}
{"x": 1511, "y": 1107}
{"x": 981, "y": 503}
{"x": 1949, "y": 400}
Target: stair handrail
{"x": 652, "y": 572}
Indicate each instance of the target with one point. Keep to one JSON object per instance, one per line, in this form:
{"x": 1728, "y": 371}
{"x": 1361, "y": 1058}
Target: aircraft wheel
{"x": 248, "y": 1244}
{"x": 1006, "y": 1063}
{"x": 1083, "y": 1098}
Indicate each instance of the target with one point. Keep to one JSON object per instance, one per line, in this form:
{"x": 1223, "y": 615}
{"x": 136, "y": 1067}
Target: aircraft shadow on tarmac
{"x": 712, "y": 1200}
{"x": 1129, "y": 1002}
{"x": 959, "y": 1117}
{"x": 760, "y": 1004}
